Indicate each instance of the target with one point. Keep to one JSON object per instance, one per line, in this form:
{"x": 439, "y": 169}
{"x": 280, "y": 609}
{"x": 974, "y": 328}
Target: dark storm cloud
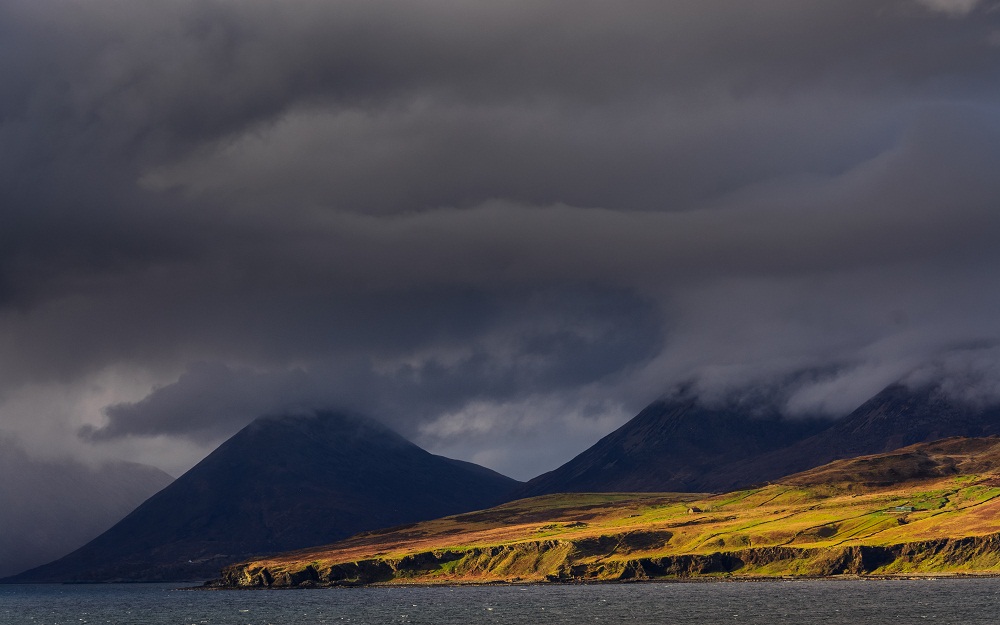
{"x": 453, "y": 214}
{"x": 563, "y": 344}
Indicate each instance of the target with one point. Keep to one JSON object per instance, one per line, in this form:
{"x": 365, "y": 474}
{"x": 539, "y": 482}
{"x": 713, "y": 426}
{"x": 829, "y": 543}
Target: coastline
{"x": 707, "y": 579}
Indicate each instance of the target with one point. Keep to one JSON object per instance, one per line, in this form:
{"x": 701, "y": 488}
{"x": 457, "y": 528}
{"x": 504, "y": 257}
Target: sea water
{"x": 829, "y": 602}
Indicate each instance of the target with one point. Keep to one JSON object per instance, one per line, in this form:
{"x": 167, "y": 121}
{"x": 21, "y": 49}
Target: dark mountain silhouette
{"x": 281, "y": 483}
{"x": 51, "y": 507}
{"x": 896, "y": 417}
{"x": 674, "y": 446}
{"x": 680, "y": 446}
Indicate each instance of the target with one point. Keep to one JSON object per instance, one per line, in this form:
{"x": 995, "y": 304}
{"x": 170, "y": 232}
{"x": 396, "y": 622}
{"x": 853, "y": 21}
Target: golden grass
{"x": 821, "y": 509}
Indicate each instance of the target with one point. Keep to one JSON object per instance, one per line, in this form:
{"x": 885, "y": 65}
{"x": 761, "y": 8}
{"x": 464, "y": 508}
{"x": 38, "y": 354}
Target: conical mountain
{"x": 281, "y": 483}
{"x": 675, "y": 445}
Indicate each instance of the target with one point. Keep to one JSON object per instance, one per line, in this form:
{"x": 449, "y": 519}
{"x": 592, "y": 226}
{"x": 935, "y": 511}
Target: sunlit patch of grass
{"x": 539, "y": 537}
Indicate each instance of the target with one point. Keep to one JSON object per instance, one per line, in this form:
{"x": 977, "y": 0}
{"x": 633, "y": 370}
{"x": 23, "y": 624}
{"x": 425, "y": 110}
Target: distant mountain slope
{"x": 679, "y": 446}
{"x": 279, "y": 484}
{"x": 49, "y": 508}
{"x": 895, "y": 417}
{"x": 674, "y": 446}
{"x": 931, "y": 508}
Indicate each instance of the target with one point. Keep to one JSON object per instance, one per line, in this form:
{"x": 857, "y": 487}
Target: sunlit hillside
{"x": 925, "y": 509}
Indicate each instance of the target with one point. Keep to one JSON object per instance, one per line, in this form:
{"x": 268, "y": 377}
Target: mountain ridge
{"x": 673, "y": 446}
{"x": 895, "y": 417}
{"x": 694, "y": 448}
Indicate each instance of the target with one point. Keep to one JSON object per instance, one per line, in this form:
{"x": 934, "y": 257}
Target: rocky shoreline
{"x": 568, "y": 563}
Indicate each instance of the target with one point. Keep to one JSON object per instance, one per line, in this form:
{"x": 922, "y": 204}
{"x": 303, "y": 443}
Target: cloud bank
{"x": 502, "y": 228}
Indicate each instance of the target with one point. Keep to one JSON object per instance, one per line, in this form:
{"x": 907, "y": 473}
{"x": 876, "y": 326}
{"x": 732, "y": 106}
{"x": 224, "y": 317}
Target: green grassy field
{"x": 927, "y": 509}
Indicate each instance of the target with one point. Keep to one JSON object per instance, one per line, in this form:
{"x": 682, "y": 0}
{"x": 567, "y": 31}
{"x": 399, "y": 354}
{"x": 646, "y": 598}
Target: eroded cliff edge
{"x": 564, "y": 561}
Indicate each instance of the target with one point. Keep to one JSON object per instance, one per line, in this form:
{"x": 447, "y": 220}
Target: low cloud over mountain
{"x": 503, "y": 228}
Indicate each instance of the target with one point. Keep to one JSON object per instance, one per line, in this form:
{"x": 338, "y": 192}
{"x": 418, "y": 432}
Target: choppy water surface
{"x": 805, "y": 602}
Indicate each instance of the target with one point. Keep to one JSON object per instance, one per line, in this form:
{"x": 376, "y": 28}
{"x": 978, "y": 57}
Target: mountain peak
{"x": 283, "y": 482}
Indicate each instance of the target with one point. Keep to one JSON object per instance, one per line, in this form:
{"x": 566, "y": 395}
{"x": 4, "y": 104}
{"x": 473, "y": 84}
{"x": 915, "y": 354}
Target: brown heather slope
{"x": 931, "y": 508}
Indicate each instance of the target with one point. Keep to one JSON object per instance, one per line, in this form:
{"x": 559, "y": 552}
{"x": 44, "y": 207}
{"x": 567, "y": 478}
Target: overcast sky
{"x": 502, "y": 227}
